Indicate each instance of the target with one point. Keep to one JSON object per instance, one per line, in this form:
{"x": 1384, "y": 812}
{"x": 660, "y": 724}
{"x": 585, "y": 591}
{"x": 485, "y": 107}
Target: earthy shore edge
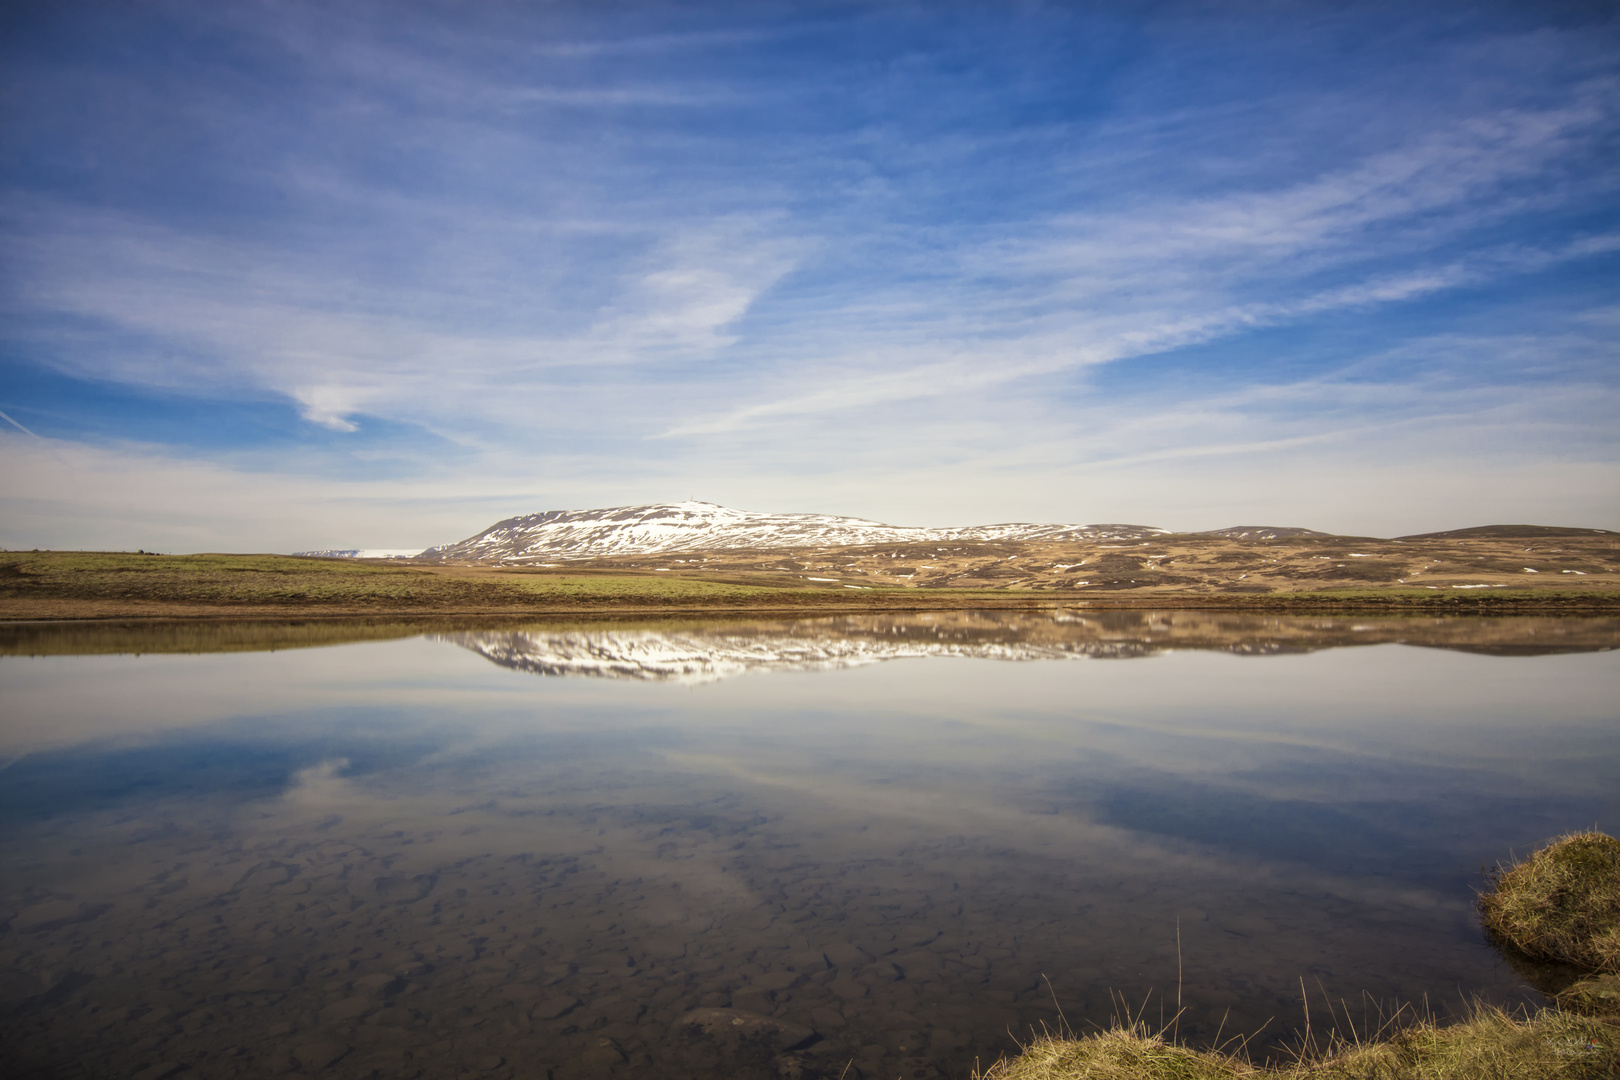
{"x": 1067, "y": 630}
{"x": 55, "y": 586}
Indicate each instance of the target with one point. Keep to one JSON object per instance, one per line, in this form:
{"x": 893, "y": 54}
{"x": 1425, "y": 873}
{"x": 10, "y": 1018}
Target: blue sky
{"x": 283, "y": 275}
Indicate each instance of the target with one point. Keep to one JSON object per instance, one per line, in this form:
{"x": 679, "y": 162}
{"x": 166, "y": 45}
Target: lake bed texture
{"x": 865, "y": 846}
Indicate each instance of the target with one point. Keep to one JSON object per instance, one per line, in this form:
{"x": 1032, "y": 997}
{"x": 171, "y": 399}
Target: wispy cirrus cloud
{"x": 1116, "y": 338}
{"x": 338, "y": 343}
{"x": 779, "y": 250}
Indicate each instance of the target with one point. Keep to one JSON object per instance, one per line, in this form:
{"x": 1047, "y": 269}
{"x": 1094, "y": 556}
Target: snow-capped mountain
{"x": 560, "y": 535}
{"x": 360, "y": 553}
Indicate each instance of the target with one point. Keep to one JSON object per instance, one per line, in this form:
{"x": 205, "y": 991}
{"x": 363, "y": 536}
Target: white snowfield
{"x": 694, "y": 526}
{"x": 361, "y": 553}
{"x": 697, "y": 657}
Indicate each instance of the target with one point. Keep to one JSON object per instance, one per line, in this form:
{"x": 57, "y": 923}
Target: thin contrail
{"x": 18, "y": 426}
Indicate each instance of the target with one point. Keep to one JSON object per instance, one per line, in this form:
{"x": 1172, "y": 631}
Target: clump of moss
{"x": 1489, "y": 1045}
{"x": 1562, "y": 903}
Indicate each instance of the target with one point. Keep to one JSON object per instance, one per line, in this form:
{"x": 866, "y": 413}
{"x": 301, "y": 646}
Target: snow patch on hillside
{"x": 694, "y": 526}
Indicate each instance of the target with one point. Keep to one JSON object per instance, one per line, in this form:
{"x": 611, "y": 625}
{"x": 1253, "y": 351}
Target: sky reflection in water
{"x": 401, "y": 854}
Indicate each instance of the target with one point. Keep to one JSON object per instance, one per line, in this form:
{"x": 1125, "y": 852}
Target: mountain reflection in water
{"x": 386, "y": 857}
{"x": 704, "y": 653}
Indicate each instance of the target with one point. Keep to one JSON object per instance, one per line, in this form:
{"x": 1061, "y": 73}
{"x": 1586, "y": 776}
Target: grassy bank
{"x": 45, "y": 585}
{"x": 1488, "y": 1045}
{"x": 112, "y": 585}
{"x": 1561, "y": 904}
{"x": 280, "y": 579}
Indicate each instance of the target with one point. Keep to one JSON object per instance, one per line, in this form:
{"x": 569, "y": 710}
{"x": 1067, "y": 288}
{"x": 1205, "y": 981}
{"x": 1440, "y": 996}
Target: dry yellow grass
{"x": 1598, "y": 994}
{"x": 1122, "y": 1053}
{"x": 1488, "y": 1045}
{"x": 1562, "y": 903}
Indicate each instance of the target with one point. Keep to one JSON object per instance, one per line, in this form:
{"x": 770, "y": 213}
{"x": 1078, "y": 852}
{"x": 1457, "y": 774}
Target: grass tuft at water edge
{"x": 1561, "y": 904}
{"x": 1490, "y": 1044}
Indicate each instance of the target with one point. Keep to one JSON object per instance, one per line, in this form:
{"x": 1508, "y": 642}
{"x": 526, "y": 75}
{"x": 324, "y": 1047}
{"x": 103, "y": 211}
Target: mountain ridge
{"x": 1508, "y": 532}
{"x": 557, "y": 537}
{"x": 659, "y": 528}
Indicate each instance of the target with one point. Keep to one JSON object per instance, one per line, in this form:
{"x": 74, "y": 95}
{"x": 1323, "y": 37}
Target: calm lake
{"x": 869, "y": 847}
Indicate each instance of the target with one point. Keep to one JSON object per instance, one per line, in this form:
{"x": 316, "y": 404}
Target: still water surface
{"x": 861, "y": 847}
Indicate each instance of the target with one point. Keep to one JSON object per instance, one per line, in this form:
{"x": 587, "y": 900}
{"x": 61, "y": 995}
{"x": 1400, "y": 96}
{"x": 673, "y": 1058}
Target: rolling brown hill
{"x": 1190, "y": 563}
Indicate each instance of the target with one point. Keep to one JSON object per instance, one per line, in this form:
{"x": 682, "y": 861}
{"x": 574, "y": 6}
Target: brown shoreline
{"x": 80, "y": 611}
{"x": 1112, "y": 633}
{"x": 111, "y": 586}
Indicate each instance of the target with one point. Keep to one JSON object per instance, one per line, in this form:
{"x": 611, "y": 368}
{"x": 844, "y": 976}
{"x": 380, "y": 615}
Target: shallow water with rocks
{"x": 862, "y": 847}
